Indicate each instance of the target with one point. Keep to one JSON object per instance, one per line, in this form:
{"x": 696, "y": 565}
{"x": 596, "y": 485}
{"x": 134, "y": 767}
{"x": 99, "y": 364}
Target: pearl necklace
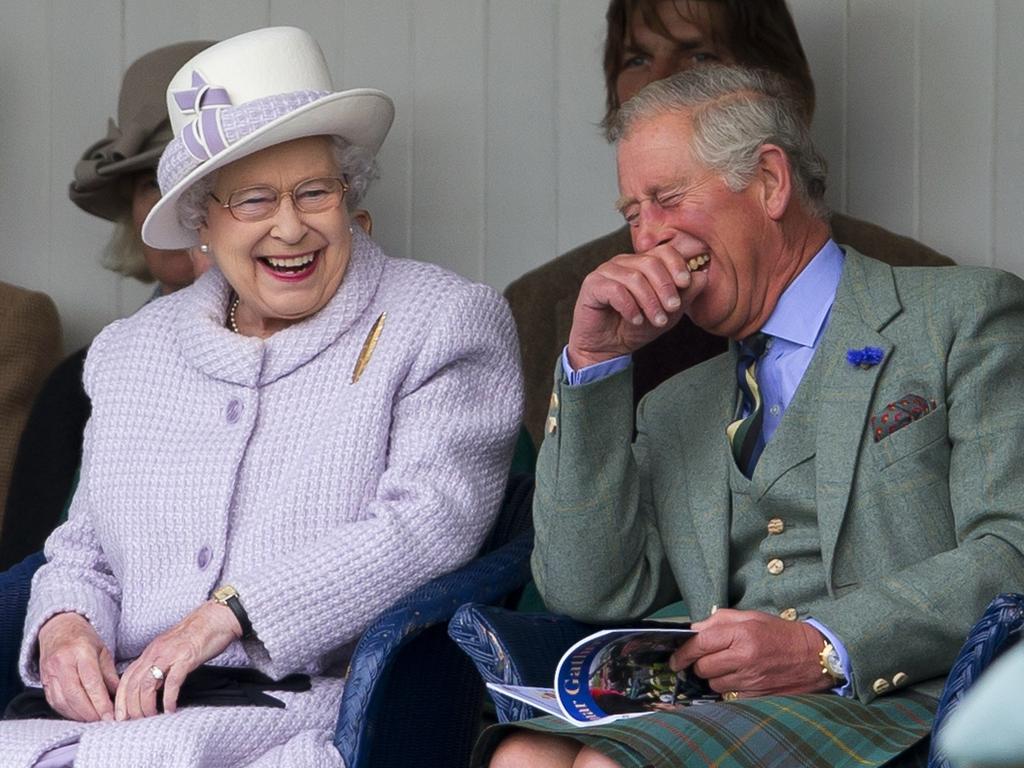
{"x": 232, "y": 312}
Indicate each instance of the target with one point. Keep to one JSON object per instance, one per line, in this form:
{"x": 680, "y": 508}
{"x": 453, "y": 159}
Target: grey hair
{"x": 356, "y": 164}
{"x": 124, "y": 252}
{"x": 734, "y": 111}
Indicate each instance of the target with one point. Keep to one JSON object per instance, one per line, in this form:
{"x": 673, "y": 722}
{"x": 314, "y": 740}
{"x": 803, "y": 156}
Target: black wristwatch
{"x": 228, "y": 595}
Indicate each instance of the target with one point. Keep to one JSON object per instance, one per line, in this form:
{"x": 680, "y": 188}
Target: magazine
{"x": 615, "y": 674}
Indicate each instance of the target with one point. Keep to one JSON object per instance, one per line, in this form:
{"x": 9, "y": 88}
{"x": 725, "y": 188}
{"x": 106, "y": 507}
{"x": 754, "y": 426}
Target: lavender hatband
{"x": 236, "y": 122}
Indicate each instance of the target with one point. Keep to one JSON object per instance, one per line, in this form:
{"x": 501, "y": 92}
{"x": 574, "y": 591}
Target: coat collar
{"x": 217, "y": 352}
{"x": 866, "y": 302}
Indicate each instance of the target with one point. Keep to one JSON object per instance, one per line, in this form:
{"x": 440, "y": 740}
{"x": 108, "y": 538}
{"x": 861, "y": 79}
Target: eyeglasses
{"x": 309, "y": 196}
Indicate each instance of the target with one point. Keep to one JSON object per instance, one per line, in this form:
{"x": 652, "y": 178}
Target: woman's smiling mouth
{"x": 291, "y": 267}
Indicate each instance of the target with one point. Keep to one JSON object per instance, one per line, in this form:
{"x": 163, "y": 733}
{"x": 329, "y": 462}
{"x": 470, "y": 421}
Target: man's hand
{"x": 629, "y": 301}
{"x": 76, "y": 669}
{"x": 755, "y": 654}
{"x": 196, "y": 639}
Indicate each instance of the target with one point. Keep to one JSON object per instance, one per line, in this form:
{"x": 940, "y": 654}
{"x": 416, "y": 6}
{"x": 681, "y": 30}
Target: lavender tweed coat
{"x": 212, "y": 458}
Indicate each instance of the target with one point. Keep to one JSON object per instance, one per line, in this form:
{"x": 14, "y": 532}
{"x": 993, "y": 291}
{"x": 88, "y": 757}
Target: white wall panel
{"x": 822, "y": 29}
{"x": 149, "y": 24}
{"x": 586, "y": 164}
{"x": 25, "y": 82}
{"x": 219, "y": 19}
{"x": 496, "y": 163}
{"x": 376, "y": 46}
{"x": 881, "y": 123}
{"x": 521, "y": 217}
{"x": 448, "y": 137}
{"x": 1009, "y": 162}
{"x": 957, "y": 123}
{"x": 89, "y": 296}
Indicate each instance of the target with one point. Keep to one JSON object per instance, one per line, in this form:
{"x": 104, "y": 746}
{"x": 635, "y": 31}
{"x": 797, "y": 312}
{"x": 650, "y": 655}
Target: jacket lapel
{"x": 866, "y": 301}
{"x": 706, "y": 459}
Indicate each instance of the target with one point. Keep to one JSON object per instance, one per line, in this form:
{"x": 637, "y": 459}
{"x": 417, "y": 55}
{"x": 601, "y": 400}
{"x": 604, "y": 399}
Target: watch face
{"x": 225, "y": 593}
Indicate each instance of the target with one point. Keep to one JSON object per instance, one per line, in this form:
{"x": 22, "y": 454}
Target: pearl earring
{"x": 204, "y": 248}
{"x": 351, "y": 230}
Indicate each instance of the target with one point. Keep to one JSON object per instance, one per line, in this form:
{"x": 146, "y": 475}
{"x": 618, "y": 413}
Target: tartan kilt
{"x": 779, "y": 731}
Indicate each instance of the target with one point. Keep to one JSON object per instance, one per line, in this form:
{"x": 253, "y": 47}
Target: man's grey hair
{"x": 734, "y": 111}
{"x": 356, "y": 164}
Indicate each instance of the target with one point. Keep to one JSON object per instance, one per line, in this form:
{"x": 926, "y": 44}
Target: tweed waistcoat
{"x": 774, "y": 541}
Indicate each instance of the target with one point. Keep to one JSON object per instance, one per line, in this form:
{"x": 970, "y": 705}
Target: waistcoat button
{"x": 789, "y": 614}
{"x": 776, "y": 526}
{"x": 775, "y": 567}
{"x": 203, "y": 558}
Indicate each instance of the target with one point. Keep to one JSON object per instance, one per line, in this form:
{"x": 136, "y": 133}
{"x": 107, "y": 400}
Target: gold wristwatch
{"x": 228, "y": 595}
{"x": 831, "y": 665}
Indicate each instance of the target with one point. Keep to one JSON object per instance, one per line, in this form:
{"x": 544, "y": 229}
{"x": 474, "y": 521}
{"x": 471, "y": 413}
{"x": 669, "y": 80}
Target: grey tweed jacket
{"x": 918, "y": 530}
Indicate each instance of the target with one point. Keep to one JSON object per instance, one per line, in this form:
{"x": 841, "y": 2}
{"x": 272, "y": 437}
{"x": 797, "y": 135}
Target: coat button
{"x": 880, "y": 686}
{"x": 776, "y": 526}
{"x": 552, "y": 425}
{"x": 234, "y": 410}
{"x": 775, "y": 567}
{"x": 203, "y": 558}
{"x": 789, "y": 614}
{"x": 900, "y": 679}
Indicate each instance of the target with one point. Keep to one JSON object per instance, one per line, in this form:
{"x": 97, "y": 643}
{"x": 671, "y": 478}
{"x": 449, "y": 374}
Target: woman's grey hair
{"x": 356, "y": 164}
{"x": 734, "y": 111}
{"x": 124, "y": 253}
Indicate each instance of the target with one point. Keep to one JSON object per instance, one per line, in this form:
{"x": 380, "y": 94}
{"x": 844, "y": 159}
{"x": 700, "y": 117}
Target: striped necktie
{"x": 745, "y": 434}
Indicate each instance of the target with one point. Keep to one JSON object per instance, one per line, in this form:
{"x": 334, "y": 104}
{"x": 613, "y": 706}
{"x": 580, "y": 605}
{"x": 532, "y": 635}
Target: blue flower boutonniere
{"x": 867, "y": 357}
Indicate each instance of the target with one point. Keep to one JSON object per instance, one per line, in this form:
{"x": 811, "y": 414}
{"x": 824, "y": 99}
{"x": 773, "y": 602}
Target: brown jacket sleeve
{"x": 30, "y": 345}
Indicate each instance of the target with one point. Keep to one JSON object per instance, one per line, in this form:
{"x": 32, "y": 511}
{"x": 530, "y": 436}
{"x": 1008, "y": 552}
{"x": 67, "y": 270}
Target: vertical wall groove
{"x": 556, "y": 98}
{"x": 481, "y": 251}
{"x": 915, "y": 226}
{"x": 993, "y": 150}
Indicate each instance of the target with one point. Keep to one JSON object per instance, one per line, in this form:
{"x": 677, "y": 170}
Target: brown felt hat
{"x": 135, "y": 141}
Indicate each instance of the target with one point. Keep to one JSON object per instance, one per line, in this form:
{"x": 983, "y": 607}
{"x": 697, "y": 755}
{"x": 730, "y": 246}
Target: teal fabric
{"x": 916, "y": 532}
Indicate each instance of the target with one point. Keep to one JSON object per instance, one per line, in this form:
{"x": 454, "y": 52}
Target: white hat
{"x": 245, "y": 94}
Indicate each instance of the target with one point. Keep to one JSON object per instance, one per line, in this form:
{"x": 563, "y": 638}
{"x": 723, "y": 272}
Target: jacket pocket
{"x": 914, "y": 437}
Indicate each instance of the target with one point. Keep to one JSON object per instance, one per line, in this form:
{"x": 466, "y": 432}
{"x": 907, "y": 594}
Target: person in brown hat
{"x": 115, "y": 180}
{"x": 116, "y": 177}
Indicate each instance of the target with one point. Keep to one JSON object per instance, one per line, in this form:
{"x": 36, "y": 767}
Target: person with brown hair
{"x": 649, "y": 40}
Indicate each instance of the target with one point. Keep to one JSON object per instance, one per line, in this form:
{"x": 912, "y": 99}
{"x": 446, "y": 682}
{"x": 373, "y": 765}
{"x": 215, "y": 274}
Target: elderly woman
{"x": 276, "y": 453}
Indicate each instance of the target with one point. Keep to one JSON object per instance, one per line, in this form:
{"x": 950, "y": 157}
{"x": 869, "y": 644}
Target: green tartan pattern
{"x": 779, "y": 731}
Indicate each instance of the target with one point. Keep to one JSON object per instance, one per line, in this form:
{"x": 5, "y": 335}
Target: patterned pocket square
{"x": 897, "y": 415}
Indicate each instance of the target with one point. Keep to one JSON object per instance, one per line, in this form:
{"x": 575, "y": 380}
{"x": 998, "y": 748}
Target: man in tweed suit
{"x": 884, "y": 512}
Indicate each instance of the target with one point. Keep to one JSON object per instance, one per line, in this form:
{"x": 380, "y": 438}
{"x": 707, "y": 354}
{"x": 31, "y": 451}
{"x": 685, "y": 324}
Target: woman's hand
{"x": 199, "y": 637}
{"x": 76, "y": 669}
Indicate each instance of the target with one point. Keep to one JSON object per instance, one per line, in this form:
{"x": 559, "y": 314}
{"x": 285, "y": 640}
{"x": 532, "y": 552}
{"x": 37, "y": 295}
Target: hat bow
{"x": 203, "y": 137}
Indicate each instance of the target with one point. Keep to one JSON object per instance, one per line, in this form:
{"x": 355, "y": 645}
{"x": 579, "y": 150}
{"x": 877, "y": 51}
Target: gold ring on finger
{"x": 730, "y": 695}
